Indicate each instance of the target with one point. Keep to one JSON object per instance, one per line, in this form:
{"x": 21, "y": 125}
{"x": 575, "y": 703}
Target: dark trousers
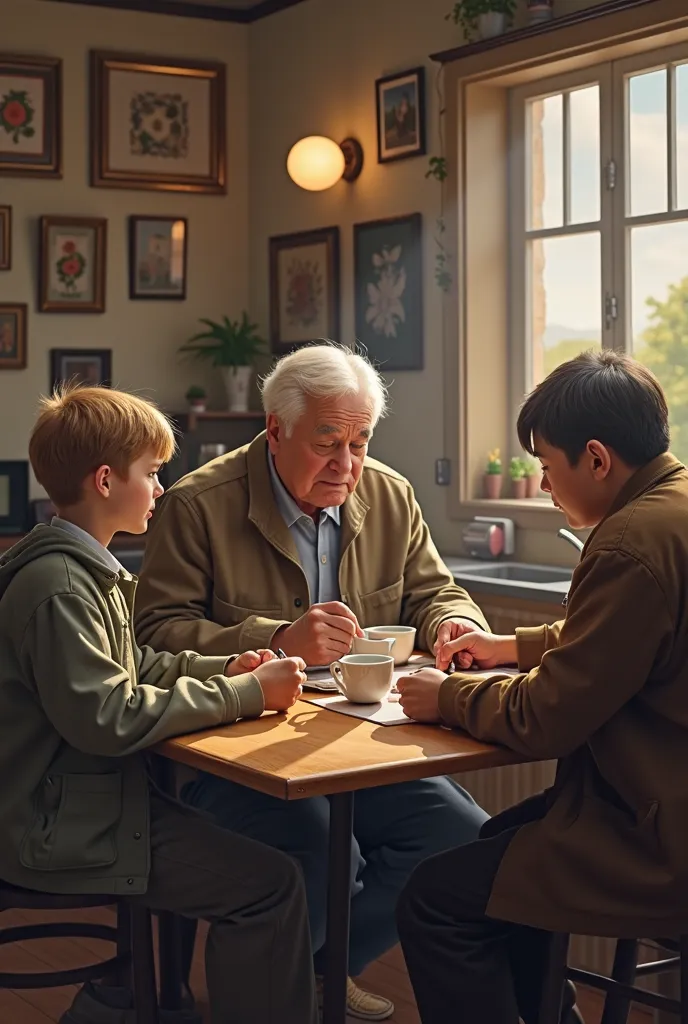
{"x": 259, "y": 964}
{"x": 465, "y": 967}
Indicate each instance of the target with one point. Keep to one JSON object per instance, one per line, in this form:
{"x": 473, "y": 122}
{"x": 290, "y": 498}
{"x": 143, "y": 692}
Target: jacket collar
{"x": 645, "y": 479}
{"x": 266, "y": 516}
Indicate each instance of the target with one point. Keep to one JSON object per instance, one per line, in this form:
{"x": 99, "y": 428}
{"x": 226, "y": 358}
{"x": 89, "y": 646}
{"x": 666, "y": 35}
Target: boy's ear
{"x": 600, "y": 459}
{"x": 102, "y": 480}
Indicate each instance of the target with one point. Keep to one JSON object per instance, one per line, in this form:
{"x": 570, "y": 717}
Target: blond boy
{"x": 80, "y": 703}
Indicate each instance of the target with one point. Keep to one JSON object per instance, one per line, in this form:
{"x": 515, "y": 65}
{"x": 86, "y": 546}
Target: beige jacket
{"x": 221, "y": 571}
{"x": 606, "y": 691}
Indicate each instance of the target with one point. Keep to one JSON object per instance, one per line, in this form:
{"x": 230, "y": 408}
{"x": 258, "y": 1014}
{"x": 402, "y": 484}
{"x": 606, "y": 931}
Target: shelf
{"x": 539, "y": 29}
{"x": 194, "y": 418}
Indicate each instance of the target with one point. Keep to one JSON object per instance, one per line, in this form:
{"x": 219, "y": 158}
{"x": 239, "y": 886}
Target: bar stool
{"x": 133, "y": 939}
{"x": 620, "y": 988}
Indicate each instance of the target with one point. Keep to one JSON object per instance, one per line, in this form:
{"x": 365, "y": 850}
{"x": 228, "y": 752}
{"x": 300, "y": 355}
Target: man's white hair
{"x": 323, "y": 370}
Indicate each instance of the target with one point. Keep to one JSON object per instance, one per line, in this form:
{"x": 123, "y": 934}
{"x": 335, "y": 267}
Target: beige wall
{"x": 144, "y": 335}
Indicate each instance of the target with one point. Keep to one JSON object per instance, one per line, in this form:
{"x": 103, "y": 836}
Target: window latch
{"x": 611, "y": 310}
{"x": 610, "y": 172}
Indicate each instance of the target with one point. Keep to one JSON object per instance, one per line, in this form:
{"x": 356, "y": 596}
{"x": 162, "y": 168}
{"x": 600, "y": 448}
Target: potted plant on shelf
{"x": 233, "y": 346}
{"x": 196, "y": 397}
{"x": 533, "y": 473}
{"x": 517, "y": 472}
{"x": 486, "y": 18}
{"x": 493, "y": 475}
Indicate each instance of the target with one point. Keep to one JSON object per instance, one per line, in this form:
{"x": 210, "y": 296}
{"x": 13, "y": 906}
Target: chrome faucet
{"x": 571, "y": 538}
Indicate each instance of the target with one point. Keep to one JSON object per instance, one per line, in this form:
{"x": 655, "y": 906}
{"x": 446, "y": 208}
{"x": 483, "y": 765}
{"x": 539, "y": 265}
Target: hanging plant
{"x": 437, "y": 169}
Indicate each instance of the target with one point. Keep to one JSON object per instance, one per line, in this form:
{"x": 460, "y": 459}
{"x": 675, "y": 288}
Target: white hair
{"x": 323, "y": 370}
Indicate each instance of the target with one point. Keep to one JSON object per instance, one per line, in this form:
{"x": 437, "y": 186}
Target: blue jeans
{"x": 395, "y": 828}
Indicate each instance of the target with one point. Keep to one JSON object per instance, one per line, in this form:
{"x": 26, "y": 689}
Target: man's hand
{"x": 281, "y": 681}
{"x": 420, "y": 694}
{"x": 452, "y": 629}
{"x": 248, "y": 662}
{"x": 320, "y": 636}
{"x": 483, "y": 650}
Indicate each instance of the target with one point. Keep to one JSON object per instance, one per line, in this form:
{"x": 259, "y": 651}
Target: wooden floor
{"x": 44, "y": 1006}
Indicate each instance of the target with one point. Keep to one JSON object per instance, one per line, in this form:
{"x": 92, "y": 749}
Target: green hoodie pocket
{"x": 75, "y": 823}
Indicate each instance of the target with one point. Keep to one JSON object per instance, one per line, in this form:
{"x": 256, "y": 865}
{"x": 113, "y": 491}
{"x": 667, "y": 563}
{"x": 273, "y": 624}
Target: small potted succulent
{"x": 493, "y": 475}
{"x": 233, "y": 346}
{"x": 517, "y": 472}
{"x": 197, "y": 398}
{"x": 533, "y": 475}
{"x": 484, "y": 18}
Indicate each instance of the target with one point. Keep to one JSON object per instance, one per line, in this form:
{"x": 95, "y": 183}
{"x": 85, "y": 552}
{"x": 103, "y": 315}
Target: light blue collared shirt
{"x": 316, "y": 545}
{"x": 87, "y": 538}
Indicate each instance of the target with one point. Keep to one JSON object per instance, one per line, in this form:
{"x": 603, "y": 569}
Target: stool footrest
{"x": 637, "y": 995}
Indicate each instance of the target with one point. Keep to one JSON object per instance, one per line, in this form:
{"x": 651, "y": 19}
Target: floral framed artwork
{"x": 13, "y": 321}
{"x": 157, "y": 123}
{"x": 388, "y": 284}
{"x": 5, "y": 237}
{"x": 400, "y": 101}
{"x": 157, "y": 257}
{"x": 72, "y": 265}
{"x": 80, "y": 366}
{"x": 304, "y": 287}
{"x": 30, "y": 116}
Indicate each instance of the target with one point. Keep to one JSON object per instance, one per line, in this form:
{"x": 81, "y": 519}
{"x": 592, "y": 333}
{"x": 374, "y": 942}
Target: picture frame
{"x": 304, "y": 288}
{"x": 388, "y": 289}
{"x": 13, "y": 335}
{"x": 30, "y": 116}
{"x": 14, "y": 496}
{"x": 91, "y": 366}
{"x": 152, "y": 114}
{"x": 72, "y": 264}
{"x": 5, "y": 237}
{"x": 157, "y": 257}
{"x": 400, "y": 105}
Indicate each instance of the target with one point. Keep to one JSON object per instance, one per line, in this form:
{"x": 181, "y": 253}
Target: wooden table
{"x": 311, "y": 751}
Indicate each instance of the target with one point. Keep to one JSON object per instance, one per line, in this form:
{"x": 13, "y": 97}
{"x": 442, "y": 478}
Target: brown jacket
{"x": 221, "y": 571}
{"x": 606, "y": 691}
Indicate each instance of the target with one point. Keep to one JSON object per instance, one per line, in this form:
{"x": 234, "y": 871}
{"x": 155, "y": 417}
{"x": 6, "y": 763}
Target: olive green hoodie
{"x": 79, "y": 701}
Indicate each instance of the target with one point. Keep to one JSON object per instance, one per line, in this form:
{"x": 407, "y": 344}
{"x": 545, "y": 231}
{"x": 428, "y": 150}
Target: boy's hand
{"x": 452, "y": 629}
{"x": 248, "y": 662}
{"x": 420, "y": 694}
{"x": 485, "y": 650}
{"x": 281, "y": 681}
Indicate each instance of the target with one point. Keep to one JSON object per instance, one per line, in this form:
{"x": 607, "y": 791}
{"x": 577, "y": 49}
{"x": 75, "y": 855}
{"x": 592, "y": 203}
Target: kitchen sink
{"x": 517, "y": 572}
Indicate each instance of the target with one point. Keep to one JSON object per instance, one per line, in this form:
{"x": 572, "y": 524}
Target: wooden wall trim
{"x": 188, "y": 9}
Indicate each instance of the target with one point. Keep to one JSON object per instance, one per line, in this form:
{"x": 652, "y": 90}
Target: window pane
{"x": 584, "y": 137}
{"x": 647, "y": 142}
{"x": 565, "y": 302}
{"x": 682, "y": 136}
{"x": 659, "y": 281}
{"x": 546, "y": 163}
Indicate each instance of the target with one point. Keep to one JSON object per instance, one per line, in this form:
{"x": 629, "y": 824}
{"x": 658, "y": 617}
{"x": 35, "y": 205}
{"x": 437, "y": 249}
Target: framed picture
{"x": 80, "y": 366}
{"x": 42, "y": 511}
{"x": 30, "y": 116}
{"x": 14, "y": 496}
{"x": 388, "y": 285}
{"x": 304, "y": 288}
{"x": 400, "y": 115}
{"x": 72, "y": 265}
{"x": 5, "y": 237}
{"x": 157, "y": 257}
{"x": 157, "y": 123}
{"x": 13, "y": 317}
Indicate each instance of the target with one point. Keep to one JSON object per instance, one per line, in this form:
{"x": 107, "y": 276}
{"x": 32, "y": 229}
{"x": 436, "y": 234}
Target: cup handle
{"x": 336, "y": 670}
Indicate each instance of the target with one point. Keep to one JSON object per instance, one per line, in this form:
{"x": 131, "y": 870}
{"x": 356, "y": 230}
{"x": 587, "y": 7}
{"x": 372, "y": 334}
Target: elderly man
{"x": 298, "y": 541}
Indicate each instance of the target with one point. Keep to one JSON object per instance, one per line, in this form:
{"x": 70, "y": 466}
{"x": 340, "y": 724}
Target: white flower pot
{"x": 491, "y": 24}
{"x": 237, "y": 383}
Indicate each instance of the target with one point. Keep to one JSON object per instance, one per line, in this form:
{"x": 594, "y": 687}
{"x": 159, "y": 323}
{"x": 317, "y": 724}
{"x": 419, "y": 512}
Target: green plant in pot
{"x": 483, "y": 18}
{"x": 493, "y": 474}
{"x": 517, "y": 472}
{"x": 233, "y": 346}
{"x": 196, "y": 397}
{"x": 533, "y": 474}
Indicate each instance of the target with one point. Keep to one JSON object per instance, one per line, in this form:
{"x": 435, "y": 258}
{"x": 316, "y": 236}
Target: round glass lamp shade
{"x": 315, "y": 163}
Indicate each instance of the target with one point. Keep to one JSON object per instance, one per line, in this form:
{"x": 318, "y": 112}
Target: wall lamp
{"x": 316, "y": 162}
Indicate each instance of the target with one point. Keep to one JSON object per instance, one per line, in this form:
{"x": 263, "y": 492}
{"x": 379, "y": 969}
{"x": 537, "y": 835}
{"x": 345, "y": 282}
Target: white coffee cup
{"x": 404, "y": 637}
{"x": 364, "y": 645}
{"x": 363, "y": 678}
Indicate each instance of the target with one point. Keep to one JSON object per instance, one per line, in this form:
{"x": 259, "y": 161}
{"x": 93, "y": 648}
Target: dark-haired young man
{"x": 605, "y": 850}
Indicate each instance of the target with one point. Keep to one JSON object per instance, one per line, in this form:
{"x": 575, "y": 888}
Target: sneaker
{"x": 106, "y": 1004}
{"x": 360, "y": 1004}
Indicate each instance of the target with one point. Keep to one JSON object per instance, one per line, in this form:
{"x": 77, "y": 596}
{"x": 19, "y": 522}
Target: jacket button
{"x": 297, "y": 602}
{"x": 130, "y": 881}
{"x": 49, "y": 781}
{"x": 137, "y": 835}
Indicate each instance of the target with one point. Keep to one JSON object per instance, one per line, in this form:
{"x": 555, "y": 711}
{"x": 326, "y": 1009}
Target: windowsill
{"x": 527, "y": 513}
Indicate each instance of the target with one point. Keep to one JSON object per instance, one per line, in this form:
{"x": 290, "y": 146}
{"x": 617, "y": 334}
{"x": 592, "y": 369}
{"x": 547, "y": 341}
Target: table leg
{"x": 338, "y": 908}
